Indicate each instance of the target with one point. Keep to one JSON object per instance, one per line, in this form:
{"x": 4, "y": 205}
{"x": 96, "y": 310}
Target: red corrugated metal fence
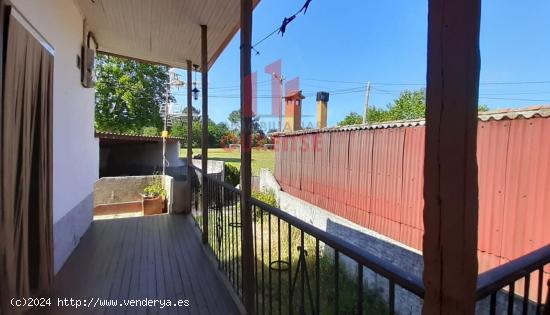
{"x": 374, "y": 178}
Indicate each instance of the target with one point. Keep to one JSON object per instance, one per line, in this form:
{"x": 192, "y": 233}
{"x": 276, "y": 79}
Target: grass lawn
{"x": 279, "y": 291}
{"x": 260, "y": 158}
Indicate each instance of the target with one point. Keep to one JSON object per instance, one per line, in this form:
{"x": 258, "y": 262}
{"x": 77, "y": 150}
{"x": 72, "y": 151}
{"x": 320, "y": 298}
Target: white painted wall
{"x": 140, "y": 153}
{"x": 75, "y": 150}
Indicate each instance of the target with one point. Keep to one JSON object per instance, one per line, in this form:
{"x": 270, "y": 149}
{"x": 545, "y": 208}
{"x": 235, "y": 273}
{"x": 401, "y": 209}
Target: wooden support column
{"x": 189, "y": 113}
{"x": 246, "y": 156}
{"x": 450, "y": 166}
{"x": 190, "y": 130}
{"x": 204, "y": 141}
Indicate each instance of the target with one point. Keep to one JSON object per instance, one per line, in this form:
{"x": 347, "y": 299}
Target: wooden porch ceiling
{"x": 156, "y": 257}
{"x": 166, "y": 31}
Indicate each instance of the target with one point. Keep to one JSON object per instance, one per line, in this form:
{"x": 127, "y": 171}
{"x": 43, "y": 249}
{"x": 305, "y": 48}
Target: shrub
{"x": 150, "y": 131}
{"x": 154, "y": 189}
{"x": 266, "y": 197}
{"x": 232, "y": 174}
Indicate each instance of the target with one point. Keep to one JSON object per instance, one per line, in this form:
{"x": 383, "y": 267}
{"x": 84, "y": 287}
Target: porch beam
{"x": 204, "y": 141}
{"x": 450, "y": 166}
{"x": 246, "y": 155}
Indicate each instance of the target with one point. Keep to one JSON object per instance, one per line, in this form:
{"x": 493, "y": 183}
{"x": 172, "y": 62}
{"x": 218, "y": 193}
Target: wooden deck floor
{"x": 156, "y": 257}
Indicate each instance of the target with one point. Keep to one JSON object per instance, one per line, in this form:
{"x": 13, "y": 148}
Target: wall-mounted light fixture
{"x": 87, "y": 62}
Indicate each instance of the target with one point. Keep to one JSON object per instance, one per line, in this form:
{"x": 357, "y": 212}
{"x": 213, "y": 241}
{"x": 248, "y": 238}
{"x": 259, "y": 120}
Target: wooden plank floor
{"x": 155, "y": 257}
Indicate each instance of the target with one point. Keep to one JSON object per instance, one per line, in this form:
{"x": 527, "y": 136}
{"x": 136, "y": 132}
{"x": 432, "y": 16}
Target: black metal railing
{"x": 520, "y": 286}
{"x": 301, "y": 269}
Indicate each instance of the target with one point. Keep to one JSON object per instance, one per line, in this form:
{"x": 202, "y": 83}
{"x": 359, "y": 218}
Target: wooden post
{"x": 204, "y": 141}
{"x": 547, "y": 305}
{"x": 189, "y": 113}
{"x": 246, "y": 153}
{"x": 450, "y": 166}
{"x": 190, "y": 130}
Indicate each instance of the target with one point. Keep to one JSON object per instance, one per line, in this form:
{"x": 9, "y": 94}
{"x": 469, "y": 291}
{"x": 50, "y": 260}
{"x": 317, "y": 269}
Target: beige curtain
{"x": 26, "y": 250}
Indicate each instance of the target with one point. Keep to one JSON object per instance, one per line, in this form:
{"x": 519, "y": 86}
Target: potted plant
{"x": 153, "y": 198}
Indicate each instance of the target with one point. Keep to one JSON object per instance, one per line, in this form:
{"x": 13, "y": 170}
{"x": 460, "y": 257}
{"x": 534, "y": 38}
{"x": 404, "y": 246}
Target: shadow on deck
{"x": 156, "y": 257}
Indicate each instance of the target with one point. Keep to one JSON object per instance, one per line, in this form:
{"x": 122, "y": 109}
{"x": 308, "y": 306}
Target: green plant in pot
{"x": 153, "y": 198}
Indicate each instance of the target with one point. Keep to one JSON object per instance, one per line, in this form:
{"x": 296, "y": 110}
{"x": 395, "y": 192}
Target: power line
{"x": 230, "y": 87}
{"x": 514, "y": 99}
{"x": 423, "y": 84}
{"x": 515, "y": 83}
{"x": 282, "y": 29}
{"x": 360, "y": 89}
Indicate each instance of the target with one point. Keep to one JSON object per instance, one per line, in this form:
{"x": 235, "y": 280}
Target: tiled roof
{"x": 500, "y": 114}
{"x": 133, "y": 137}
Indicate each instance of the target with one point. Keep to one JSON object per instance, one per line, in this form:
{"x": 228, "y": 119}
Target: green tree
{"x": 409, "y": 105}
{"x": 216, "y": 131}
{"x": 129, "y": 94}
{"x": 179, "y": 129}
{"x": 150, "y": 131}
{"x": 351, "y": 119}
{"x": 482, "y": 108}
{"x": 194, "y": 112}
{"x": 235, "y": 119}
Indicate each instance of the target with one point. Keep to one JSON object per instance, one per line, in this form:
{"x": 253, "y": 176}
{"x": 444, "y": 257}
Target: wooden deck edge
{"x": 236, "y": 300}
{"x": 118, "y": 208}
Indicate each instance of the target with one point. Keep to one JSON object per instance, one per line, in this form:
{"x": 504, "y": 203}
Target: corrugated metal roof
{"x": 527, "y": 112}
{"x": 133, "y": 137}
{"x": 500, "y": 114}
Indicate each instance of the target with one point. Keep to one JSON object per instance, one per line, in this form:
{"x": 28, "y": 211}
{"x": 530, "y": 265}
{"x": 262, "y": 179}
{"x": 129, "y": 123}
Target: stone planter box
{"x": 121, "y": 195}
{"x": 152, "y": 205}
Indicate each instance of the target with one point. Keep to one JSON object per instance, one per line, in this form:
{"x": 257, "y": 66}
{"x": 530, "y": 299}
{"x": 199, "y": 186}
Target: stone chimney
{"x": 293, "y": 111}
{"x": 322, "y": 103}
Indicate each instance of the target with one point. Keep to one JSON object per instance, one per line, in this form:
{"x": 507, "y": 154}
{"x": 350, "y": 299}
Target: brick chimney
{"x": 293, "y": 111}
{"x": 322, "y": 103}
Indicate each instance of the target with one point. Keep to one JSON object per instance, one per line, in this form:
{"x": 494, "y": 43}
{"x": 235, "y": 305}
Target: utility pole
{"x": 366, "y": 113}
{"x": 175, "y": 81}
{"x": 280, "y": 78}
{"x": 165, "y": 129}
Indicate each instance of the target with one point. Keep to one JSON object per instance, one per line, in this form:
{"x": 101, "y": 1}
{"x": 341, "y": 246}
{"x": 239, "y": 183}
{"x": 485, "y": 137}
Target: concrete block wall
{"x": 215, "y": 168}
{"x": 127, "y": 189}
{"x": 398, "y": 254}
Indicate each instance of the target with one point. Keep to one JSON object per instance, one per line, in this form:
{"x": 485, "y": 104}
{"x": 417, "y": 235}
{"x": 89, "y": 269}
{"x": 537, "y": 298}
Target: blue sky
{"x": 383, "y": 42}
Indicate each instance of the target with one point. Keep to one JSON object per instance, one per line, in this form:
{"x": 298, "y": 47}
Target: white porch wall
{"x": 75, "y": 150}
